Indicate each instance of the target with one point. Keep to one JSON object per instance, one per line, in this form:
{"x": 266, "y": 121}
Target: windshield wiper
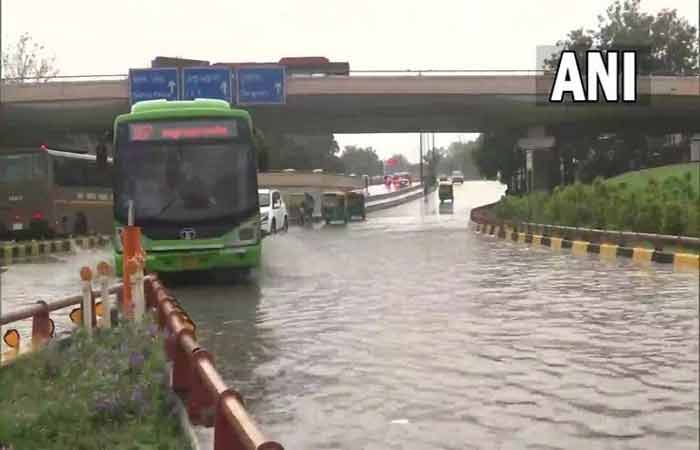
{"x": 166, "y": 207}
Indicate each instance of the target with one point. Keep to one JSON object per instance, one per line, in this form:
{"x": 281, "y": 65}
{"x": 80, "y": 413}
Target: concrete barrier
{"x": 605, "y": 250}
{"x": 24, "y": 251}
{"x": 395, "y": 198}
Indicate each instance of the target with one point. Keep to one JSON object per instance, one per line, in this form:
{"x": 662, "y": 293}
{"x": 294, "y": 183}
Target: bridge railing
{"x": 196, "y": 380}
{"x": 358, "y": 72}
{"x": 63, "y": 78}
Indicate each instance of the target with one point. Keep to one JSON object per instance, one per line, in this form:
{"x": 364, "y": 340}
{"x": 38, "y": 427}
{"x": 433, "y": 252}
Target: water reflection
{"x": 232, "y": 327}
{"x": 446, "y": 208}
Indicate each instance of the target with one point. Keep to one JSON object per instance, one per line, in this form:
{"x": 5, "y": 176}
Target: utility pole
{"x": 420, "y": 138}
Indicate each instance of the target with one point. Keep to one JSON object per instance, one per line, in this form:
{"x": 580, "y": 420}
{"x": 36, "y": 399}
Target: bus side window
{"x": 39, "y": 167}
{"x": 69, "y": 173}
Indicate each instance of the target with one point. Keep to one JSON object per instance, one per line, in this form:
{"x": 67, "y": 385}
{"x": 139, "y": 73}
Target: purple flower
{"x": 153, "y": 330}
{"x": 136, "y": 361}
{"x": 106, "y": 406}
{"x": 137, "y": 395}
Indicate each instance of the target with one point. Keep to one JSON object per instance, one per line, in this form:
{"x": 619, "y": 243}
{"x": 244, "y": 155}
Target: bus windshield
{"x": 181, "y": 181}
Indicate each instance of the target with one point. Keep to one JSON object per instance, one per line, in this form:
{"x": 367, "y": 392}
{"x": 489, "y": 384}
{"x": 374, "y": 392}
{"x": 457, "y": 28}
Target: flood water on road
{"x": 409, "y": 332}
{"x": 50, "y": 279}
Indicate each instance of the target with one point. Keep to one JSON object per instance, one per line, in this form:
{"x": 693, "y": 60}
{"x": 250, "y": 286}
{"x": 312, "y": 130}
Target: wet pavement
{"x": 409, "y": 331}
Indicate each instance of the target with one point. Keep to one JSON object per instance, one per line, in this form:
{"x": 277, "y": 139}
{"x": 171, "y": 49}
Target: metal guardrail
{"x": 374, "y": 198}
{"x": 361, "y": 72}
{"x": 484, "y": 215}
{"x": 43, "y": 328}
{"x": 194, "y": 375}
{"x": 32, "y": 312}
{"x": 195, "y": 378}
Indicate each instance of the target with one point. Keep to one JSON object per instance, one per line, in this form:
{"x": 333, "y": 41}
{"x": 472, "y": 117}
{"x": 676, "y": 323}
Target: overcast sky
{"x": 106, "y": 37}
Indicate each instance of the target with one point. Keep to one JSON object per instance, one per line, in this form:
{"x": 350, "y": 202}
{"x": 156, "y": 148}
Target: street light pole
{"x": 420, "y": 138}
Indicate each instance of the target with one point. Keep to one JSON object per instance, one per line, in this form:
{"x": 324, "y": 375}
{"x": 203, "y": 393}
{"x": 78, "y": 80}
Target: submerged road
{"x": 410, "y": 332}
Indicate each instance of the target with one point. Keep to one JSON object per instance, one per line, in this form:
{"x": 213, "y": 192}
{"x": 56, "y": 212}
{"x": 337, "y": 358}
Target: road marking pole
{"x": 88, "y": 310}
{"x": 104, "y": 270}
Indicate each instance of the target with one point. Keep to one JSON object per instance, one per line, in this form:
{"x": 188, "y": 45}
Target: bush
{"x": 671, "y": 207}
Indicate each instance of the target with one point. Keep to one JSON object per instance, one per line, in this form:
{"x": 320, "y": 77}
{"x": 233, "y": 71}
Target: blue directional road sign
{"x": 262, "y": 85}
{"x": 206, "y": 82}
{"x": 152, "y": 84}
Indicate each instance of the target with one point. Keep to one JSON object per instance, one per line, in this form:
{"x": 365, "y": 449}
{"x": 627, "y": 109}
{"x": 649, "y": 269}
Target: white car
{"x": 273, "y": 211}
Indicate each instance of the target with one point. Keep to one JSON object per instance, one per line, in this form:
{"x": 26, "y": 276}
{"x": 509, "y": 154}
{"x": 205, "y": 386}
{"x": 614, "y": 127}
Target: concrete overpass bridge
{"x": 387, "y": 102}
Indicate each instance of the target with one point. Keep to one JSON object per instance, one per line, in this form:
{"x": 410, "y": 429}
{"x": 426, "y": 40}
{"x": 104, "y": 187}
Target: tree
{"x": 304, "y": 152}
{"x": 675, "y": 43}
{"x": 261, "y": 149}
{"x": 360, "y": 160}
{"x": 579, "y": 41}
{"x": 459, "y": 156}
{"x": 666, "y": 43}
{"x": 497, "y": 153}
{"x": 26, "y": 60}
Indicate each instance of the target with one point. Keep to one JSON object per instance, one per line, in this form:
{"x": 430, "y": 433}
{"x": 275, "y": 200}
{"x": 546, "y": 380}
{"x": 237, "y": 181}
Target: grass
{"x": 107, "y": 392}
{"x": 639, "y": 179}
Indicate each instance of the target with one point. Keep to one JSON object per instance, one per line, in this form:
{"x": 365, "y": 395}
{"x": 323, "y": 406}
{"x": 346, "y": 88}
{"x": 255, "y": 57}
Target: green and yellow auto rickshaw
{"x": 295, "y": 207}
{"x": 445, "y": 191}
{"x": 356, "y": 205}
{"x": 334, "y": 207}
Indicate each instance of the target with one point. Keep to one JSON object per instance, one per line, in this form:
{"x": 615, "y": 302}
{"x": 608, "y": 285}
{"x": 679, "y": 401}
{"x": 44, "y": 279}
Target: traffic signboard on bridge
{"x": 153, "y": 84}
{"x": 251, "y": 85}
{"x": 261, "y": 85}
{"x": 207, "y": 82}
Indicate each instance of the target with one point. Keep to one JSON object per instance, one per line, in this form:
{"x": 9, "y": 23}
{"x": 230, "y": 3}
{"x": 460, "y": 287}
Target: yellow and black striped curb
{"x": 23, "y": 251}
{"x": 680, "y": 261}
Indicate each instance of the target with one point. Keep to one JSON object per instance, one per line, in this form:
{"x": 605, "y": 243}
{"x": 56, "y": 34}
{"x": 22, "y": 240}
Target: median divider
{"x": 581, "y": 241}
{"x": 25, "y": 251}
{"x": 194, "y": 378}
{"x": 382, "y": 201}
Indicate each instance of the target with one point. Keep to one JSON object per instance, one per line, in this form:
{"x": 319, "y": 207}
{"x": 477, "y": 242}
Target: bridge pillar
{"x": 541, "y": 162}
{"x": 695, "y": 147}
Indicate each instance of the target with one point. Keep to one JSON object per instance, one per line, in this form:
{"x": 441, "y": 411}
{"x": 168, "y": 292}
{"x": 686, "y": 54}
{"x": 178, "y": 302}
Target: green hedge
{"x": 106, "y": 392}
{"x": 671, "y": 207}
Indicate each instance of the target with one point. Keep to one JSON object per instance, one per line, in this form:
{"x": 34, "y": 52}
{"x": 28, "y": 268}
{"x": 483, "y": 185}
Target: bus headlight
{"x": 118, "y": 238}
{"x": 263, "y": 217}
{"x": 246, "y": 236}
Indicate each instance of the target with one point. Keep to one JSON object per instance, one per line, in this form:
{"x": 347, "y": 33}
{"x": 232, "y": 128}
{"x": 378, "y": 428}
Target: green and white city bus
{"x": 190, "y": 169}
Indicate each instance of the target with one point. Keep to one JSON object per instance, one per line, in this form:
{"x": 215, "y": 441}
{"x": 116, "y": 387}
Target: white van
{"x": 273, "y": 211}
